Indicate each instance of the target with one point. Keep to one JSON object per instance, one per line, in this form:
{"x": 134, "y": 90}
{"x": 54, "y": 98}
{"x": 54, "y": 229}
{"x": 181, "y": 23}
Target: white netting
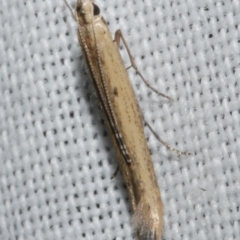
{"x": 56, "y": 159}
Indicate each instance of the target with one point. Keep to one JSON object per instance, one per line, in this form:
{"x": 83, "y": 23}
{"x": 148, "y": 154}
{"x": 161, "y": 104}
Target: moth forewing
{"x": 123, "y": 117}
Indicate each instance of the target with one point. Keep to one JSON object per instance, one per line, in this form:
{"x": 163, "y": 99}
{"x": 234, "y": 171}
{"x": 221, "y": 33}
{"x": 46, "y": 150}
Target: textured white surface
{"x": 56, "y": 158}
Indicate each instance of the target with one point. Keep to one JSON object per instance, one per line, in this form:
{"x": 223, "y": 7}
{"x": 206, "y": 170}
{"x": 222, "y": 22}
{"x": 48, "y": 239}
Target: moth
{"x": 122, "y": 115}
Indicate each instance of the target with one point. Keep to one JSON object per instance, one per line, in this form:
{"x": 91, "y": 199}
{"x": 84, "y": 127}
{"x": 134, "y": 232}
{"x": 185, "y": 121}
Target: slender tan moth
{"x": 123, "y": 117}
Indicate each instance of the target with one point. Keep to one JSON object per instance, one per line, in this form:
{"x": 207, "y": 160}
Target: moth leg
{"x": 115, "y": 173}
{"x": 118, "y": 36}
{"x": 164, "y": 143}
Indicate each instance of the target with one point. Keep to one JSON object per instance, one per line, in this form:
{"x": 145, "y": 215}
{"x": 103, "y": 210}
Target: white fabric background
{"x": 56, "y": 158}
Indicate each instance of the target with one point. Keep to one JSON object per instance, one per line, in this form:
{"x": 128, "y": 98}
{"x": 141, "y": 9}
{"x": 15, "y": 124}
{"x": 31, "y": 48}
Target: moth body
{"x": 123, "y": 117}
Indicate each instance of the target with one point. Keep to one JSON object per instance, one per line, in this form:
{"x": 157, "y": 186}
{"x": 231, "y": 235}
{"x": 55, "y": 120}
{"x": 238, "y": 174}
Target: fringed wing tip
{"x": 148, "y": 220}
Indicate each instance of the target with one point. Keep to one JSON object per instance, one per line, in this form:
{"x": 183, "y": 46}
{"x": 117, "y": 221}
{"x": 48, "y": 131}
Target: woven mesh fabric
{"x": 56, "y": 157}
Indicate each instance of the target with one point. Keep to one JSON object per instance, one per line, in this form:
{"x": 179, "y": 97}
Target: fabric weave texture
{"x": 56, "y": 156}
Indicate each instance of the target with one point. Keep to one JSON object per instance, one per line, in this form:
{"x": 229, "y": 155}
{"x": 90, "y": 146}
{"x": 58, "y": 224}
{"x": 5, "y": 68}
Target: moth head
{"x": 86, "y": 10}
